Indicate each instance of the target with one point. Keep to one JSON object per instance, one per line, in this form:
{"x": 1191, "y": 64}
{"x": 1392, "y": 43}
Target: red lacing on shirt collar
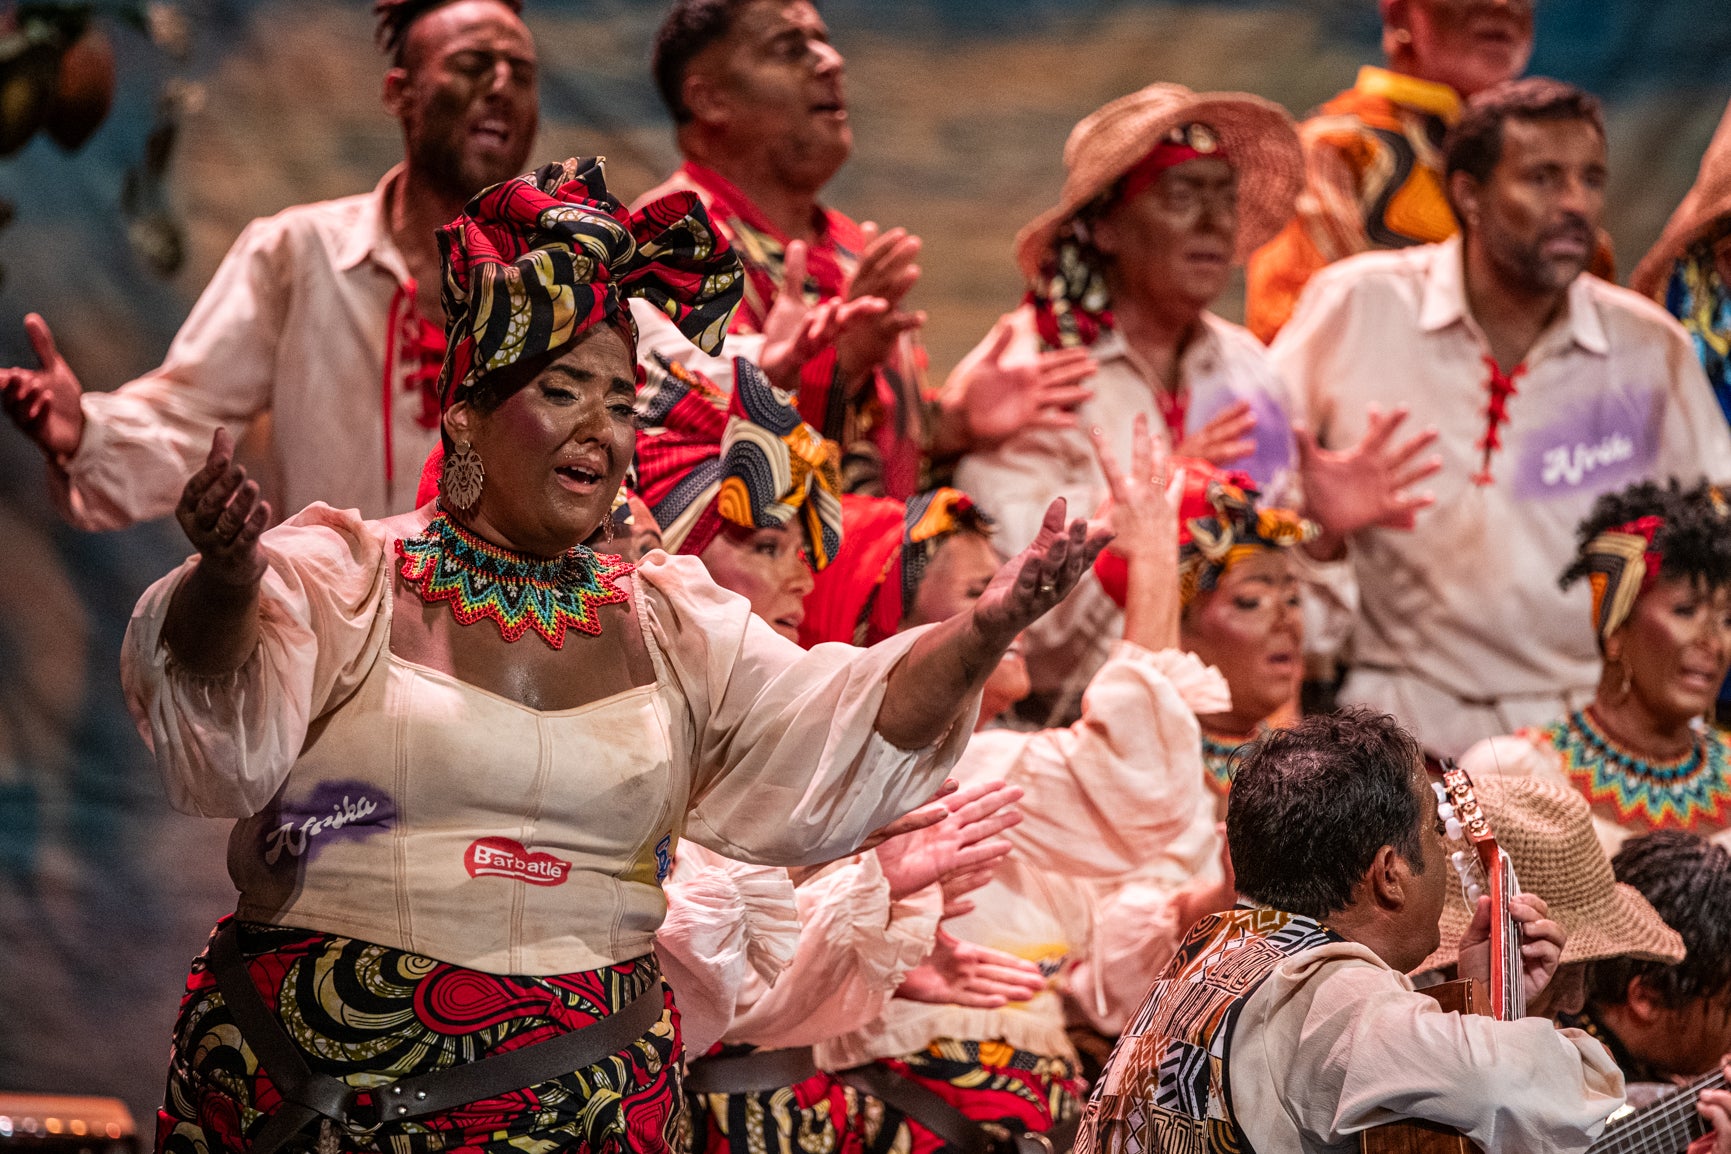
{"x": 1502, "y": 387}
{"x": 410, "y": 338}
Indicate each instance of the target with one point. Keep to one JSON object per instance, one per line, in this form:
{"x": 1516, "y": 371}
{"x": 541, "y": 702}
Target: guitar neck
{"x": 1665, "y": 1127}
{"x": 1508, "y": 997}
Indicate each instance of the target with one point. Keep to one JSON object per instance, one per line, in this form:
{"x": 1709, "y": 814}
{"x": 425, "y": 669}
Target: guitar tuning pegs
{"x": 1474, "y": 893}
{"x": 1446, "y": 812}
{"x": 1442, "y": 795}
{"x": 1452, "y": 826}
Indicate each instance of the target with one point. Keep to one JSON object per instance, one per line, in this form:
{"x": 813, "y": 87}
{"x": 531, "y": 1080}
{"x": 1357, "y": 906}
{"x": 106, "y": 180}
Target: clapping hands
{"x": 795, "y": 330}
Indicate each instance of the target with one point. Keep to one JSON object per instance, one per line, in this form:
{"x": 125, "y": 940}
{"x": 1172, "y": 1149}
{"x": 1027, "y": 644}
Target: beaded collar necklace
{"x": 446, "y": 562}
{"x": 1689, "y": 793}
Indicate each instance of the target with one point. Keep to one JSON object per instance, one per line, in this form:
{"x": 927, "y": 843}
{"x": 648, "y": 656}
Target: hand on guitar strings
{"x": 1541, "y": 943}
{"x": 1715, "y": 1108}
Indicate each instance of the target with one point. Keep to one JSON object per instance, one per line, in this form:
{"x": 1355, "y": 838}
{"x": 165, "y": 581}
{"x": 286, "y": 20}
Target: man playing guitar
{"x": 1288, "y": 1024}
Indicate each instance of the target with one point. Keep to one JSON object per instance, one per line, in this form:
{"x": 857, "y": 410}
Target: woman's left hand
{"x": 1035, "y": 580}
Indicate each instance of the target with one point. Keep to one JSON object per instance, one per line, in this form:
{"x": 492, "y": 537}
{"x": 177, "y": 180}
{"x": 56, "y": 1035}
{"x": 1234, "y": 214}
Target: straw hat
{"x": 1707, "y": 203}
{"x": 1257, "y": 135}
{"x": 1547, "y": 830}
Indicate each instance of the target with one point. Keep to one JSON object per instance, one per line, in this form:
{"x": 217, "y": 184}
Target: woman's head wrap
{"x": 889, "y": 546}
{"x": 1634, "y": 535}
{"x": 1219, "y": 524}
{"x": 534, "y": 262}
{"x": 705, "y": 460}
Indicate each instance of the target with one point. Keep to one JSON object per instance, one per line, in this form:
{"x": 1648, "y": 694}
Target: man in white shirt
{"x": 1546, "y": 387}
{"x": 1288, "y": 1024}
{"x": 326, "y": 316}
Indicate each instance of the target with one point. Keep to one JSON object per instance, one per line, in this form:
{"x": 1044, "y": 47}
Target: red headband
{"x": 1189, "y": 142}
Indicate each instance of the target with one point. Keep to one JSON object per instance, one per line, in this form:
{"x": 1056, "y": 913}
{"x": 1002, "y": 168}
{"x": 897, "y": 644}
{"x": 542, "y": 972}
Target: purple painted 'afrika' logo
{"x": 1604, "y": 443}
{"x": 332, "y": 811}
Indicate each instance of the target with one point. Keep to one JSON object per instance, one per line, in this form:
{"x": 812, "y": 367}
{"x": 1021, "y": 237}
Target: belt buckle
{"x": 354, "y": 1124}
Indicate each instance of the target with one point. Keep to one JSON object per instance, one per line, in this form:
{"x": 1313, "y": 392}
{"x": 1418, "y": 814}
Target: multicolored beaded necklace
{"x": 1690, "y": 793}
{"x": 446, "y": 562}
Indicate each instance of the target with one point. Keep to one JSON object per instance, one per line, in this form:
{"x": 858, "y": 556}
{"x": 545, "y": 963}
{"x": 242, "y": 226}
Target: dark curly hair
{"x": 1694, "y": 542}
{"x": 1688, "y": 880}
{"x": 1313, "y": 803}
{"x": 1475, "y": 144}
{"x": 394, "y": 18}
{"x": 689, "y": 27}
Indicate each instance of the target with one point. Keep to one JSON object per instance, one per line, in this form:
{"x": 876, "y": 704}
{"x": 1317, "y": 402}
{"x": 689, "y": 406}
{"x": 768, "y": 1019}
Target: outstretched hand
{"x": 1141, "y": 515}
{"x": 962, "y": 845}
{"x": 961, "y": 973}
{"x": 1367, "y": 485}
{"x": 1027, "y": 586}
{"x": 795, "y": 330}
{"x": 45, "y": 402}
{"x": 1542, "y": 943}
{"x": 223, "y": 515}
{"x": 994, "y": 399}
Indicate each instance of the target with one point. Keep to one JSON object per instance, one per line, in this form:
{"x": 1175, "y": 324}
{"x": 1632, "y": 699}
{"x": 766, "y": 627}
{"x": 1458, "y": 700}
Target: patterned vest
{"x": 1164, "y": 1090}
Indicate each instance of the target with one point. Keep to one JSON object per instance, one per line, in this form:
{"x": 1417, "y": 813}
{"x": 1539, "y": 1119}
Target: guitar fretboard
{"x": 1665, "y": 1127}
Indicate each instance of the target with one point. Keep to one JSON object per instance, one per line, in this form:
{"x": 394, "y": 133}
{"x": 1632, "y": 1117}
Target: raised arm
{"x": 930, "y": 687}
{"x": 212, "y": 624}
{"x": 1144, "y": 521}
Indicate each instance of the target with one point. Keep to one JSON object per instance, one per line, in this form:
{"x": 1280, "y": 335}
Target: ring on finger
{"x": 1047, "y": 589}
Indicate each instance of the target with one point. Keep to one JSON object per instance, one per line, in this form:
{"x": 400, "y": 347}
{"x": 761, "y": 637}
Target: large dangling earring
{"x": 462, "y": 477}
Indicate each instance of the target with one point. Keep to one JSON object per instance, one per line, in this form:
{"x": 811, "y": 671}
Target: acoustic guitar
{"x": 1483, "y": 869}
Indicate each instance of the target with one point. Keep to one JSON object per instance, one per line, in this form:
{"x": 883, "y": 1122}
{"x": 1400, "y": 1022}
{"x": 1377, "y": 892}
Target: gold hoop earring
{"x": 461, "y": 479}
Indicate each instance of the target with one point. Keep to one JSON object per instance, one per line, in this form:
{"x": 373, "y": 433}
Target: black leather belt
{"x": 750, "y": 1073}
{"x": 960, "y": 1133}
{"x": 307, "y": 1096}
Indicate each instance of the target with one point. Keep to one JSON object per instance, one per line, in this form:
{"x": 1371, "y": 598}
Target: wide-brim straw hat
{"x": 1707, "y": 203}
{"x": 1547, "y": 830}
{"x": 1256, "y": 135}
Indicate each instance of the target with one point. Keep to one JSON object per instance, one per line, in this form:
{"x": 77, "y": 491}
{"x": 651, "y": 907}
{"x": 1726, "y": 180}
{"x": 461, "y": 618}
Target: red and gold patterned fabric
{"x": 705, "y": 459}
{"x": 888, "y": 546}
{"x": 366, "y": 1015}
{"x": 1004, "y": 1089}
{"x": 535, "y": 261}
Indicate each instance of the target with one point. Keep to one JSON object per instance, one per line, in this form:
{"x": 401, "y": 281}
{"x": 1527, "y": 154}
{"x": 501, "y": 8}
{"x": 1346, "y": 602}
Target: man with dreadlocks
{"x": 325, "y": 316}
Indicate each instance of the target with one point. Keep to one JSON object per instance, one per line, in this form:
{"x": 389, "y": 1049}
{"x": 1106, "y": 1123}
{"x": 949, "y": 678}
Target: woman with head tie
{"x": 1644, "y": 752}
{"x": 462, "y": 747}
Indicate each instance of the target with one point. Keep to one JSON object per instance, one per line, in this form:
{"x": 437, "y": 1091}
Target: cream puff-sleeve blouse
{"x": 390, "y": 802}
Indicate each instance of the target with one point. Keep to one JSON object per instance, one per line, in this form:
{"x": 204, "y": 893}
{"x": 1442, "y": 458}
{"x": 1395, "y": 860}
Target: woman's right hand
{"x": 223, "y": 515}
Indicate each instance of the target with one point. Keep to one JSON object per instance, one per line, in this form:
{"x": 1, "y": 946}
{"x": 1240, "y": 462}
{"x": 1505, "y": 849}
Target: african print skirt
{"x": 369, "y": 1015}
{"x": 1007, "y": 1091}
